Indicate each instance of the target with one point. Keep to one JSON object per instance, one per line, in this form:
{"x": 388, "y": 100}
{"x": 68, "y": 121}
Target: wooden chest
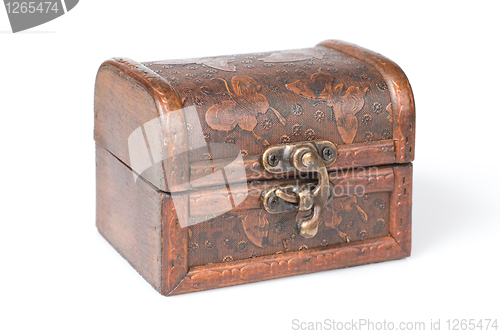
{"x": 225, "y": 170}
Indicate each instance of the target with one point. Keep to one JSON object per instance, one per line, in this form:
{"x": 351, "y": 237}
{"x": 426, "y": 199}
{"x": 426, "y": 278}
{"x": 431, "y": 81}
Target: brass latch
{"x": 303, "y": 157}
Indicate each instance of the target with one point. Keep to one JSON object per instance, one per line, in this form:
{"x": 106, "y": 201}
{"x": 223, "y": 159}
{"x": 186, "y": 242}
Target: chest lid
{"x": 194, "y": 123}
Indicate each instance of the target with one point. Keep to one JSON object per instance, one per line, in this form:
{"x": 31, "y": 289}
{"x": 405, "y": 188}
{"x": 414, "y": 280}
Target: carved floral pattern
{"x": 333, "y": 218}
{"x": 245, "y": 104}
{"x": 345, "y": 105}
{"x": 256, "y": 222}
{"x": 256, "y": 226}
{"x": 267, "y": 67}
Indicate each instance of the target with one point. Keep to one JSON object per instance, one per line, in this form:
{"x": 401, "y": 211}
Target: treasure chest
{"x": 225, "y": 170}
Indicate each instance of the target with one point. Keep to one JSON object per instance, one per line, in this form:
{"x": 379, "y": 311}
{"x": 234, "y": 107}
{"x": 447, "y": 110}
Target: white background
{"x": 58, "y": 275}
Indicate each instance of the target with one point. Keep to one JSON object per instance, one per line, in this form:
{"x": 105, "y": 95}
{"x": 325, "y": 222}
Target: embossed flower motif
{"x": 209, "y": 244}
{"x": 363, "y": 234}
{"x": 227, "y": 258}
{"x": 285, "y": 139}
{"x": 282, "y": 71}
{"x": 380, "y": 204}
{"x": 310, "y": 134}
{"x": 319, "y": 116}
{"x": 345, "y": 104}
{"x": 273, "y": 87}
{"x": 349, "y": 223}
{"x": 329, "y": 63}
{"x": 227, "y": 242}
{"x": 267, "y": 123}
{"x": 242, "y": 245}
{"x": 279, "y": 227}
{"x": 206, "y": 75}
{"x": 207, "y": 136}
{"x": 173, "y": 80}
{"x": 293, "y": 235}
{"x": 305, "y": 67}
{"x": 366, "y": 119}
{"x": 310, "y": 62}
{"x": 386, "y": 134}
{"x": 269, "y": 64}
{"x": 192, "y": 67}
{"x": 229, "y": 140}
{"x": 212, "y": 71}
{"x": 297, "y": 109}
{"x": 379, "y": 224}
{"x": 191, "y": 75}
{"x": 288, "y": 64}
{"x": 244, "y": 153}
{"x": 198, "y": 101}
{"x": 187, "y": 90}
{"x": 324, "y": 242}
{"x": 368, "y": 136}
{"x": 301, "y": 72}
{"x": 348, "y": 62}
{"x": 366, "y": 197}
{"x": 247, "y": 61}
{"x": 157, "y": 71}
{"x": 352, "y": 75}
{"x": 249, "y": 66}
{"x": 382, "y": 86}
{"x": 296, "y": 129}
{"x": 174, "y": 72}
{"x": 377, "y": 107}
{"x": 167, "y": 66}
{"x": 364, "y": 77}
{"x": 193, "y": 247}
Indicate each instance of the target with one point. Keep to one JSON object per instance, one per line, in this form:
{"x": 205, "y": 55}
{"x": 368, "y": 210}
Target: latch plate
{"x": 302, "y": 157}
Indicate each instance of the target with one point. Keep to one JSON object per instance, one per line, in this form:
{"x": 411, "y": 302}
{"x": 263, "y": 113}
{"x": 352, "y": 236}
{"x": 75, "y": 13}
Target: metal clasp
{"x": 303, "y": 157}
